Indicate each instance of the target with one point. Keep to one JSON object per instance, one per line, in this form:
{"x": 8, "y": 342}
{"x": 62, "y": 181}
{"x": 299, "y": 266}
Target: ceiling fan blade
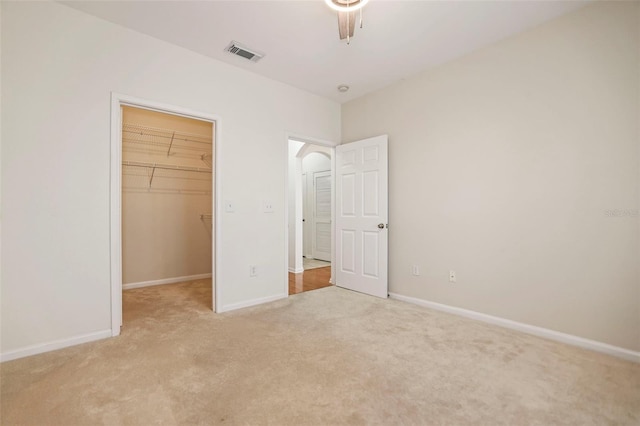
{"x": 346, "y": 22}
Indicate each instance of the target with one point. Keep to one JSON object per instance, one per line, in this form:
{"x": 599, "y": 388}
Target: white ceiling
{"x": 300, "y": 38}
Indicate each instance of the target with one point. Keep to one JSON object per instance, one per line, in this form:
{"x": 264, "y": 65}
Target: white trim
{"x": 165, "y": 281}
{"x": 216, "y": 255}
{"x": 118, "y": 100}
{"x": 296, "y": 271}
{"x": 333, "y": 214}
{"x": 115, "y": 214}
{"x": 55, "y": 345}
{"x": 306, "y": 139}
{"x": 525, "y": 328}
{"x": 285, "y": 287}
{"x": 253, "y": 302}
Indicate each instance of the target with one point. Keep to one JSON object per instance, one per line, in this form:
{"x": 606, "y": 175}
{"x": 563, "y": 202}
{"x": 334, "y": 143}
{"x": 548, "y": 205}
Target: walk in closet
{"x": 167, "y": 217}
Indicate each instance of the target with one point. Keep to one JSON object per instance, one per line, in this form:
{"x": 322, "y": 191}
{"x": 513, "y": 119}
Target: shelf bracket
{"x": 153, "y": 171}
{"x": 207, "y": 159}
{"x": 171, "y": 143}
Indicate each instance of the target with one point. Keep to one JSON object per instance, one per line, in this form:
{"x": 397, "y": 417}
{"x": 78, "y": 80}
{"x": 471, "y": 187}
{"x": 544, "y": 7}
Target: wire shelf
{"x": 170, "y": 161}
{"x": 163, "y": 177}
{"x": 164, "y": 141}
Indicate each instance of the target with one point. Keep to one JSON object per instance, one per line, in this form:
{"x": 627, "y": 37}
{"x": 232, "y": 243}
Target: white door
{"x": 362, "y": 216}
{"x": 321, "y": 234}
{"x": 306, "y": 216}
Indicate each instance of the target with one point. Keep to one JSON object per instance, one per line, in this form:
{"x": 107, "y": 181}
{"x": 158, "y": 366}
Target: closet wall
{"x": 166, "y": 209}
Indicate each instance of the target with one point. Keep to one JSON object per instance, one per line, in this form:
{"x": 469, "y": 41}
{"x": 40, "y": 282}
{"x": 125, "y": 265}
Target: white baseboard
{"x": 252, "y": 302}
{"x": 165, "y": 281}
{"x": 296, "y": 271}
{"x": 52, "y": 346}
{"x": 526, "y": 328}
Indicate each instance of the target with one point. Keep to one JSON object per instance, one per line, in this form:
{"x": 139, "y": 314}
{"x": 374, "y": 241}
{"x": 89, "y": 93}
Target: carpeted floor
{"x": 325, "y": 357}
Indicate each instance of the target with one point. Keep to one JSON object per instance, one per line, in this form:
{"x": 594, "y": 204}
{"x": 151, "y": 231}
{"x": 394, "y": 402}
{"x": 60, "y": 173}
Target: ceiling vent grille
{"x": 237, "y": 49}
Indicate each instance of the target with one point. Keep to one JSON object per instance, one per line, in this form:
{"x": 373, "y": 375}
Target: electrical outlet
{"x": 253, "y": 271}
{"x": 452, "y": 276}
{"x": 267, "y": 207}
{"x": 415, "y": 270}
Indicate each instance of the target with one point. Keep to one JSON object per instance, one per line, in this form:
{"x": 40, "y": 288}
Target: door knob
{"x": 381, "y": 225}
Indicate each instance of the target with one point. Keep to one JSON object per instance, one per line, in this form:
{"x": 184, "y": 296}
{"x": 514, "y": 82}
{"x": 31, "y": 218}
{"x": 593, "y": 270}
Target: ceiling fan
{"x": 347, "y": 15}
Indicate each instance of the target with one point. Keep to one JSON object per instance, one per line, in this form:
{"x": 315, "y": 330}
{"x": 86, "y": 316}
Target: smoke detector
{"x": 237, "y": 49}
{"x": 343, "y": 88}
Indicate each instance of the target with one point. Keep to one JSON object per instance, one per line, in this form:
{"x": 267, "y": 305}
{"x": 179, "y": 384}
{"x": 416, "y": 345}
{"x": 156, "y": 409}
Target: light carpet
{"x": 325, "y": 357}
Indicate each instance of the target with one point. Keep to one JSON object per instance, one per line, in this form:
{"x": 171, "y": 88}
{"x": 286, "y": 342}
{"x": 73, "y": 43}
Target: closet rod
{"x": 166, "y": 167}
{"x": 161, "y": 147}
{"x": 168, "y": 135}
{"x": 138, "y": 190}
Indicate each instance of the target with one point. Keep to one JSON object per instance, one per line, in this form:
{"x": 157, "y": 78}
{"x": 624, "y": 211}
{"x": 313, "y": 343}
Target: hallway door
{"x": 321, "y": 234}
{"x": 362, "y": 216}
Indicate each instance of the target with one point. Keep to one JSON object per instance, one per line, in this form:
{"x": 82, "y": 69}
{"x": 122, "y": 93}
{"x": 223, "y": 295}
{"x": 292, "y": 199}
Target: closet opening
{"x": 163, "y": 213}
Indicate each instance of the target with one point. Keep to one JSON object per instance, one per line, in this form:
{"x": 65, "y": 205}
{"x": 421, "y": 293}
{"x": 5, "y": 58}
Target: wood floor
{"x": 311, "y": 279}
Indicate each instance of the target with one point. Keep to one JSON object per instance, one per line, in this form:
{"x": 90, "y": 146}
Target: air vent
{"x": 237, "y": 49}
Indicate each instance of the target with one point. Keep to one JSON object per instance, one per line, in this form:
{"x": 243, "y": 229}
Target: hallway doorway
{"x": 311, "y": 199}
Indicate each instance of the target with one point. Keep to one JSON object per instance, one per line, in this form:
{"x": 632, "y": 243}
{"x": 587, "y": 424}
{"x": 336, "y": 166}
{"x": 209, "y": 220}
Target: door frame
{"x": 314, "y": 141}
{"x": 119, "y": 100}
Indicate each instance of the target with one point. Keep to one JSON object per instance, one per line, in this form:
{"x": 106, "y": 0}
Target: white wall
{"x": 505, "y": 166}
{"x": 314, "y": 161}
{"x": 59, "y": 67}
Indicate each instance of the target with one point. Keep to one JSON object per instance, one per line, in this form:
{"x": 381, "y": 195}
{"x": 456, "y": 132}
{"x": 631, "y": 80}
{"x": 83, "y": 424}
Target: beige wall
{"x": 163, "y": 235}
{"x": 505, "y": 165}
